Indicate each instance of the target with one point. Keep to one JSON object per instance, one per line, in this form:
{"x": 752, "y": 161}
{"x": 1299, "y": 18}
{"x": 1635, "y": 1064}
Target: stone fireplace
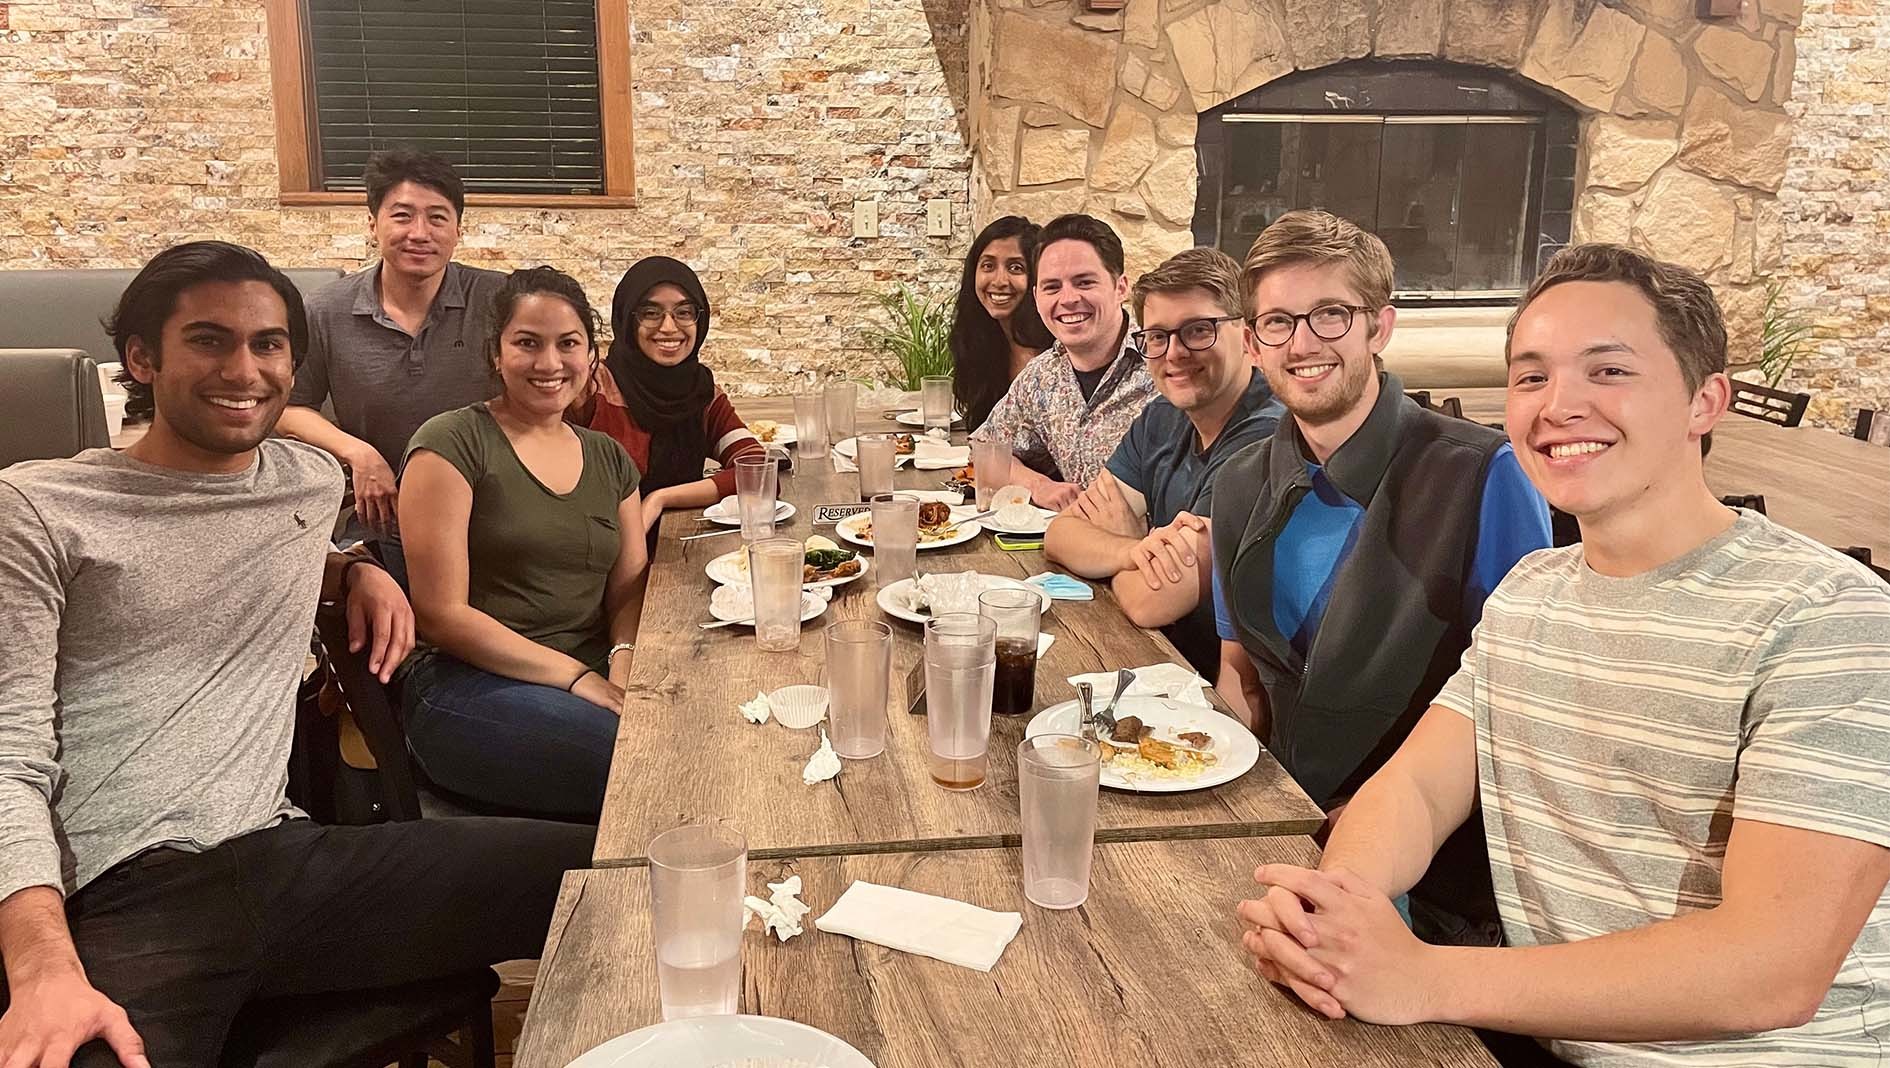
{"x": 1631, "y": 120}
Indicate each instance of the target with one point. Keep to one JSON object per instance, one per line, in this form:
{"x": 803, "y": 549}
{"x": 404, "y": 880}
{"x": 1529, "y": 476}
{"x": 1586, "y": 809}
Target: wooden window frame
{"x": 296, "y": 136}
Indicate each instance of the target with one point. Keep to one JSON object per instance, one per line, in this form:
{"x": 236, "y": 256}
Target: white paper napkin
{"x": 933, "y": 456}
{"x": 1044, "y": 638}
{"x": 1172, "y": 681}
{"x": 847, "y": 464}
{"x": 938, "y": 927}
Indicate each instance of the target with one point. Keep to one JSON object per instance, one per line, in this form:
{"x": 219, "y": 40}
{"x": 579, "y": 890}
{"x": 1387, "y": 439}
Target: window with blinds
{"x": 506, "y": 89}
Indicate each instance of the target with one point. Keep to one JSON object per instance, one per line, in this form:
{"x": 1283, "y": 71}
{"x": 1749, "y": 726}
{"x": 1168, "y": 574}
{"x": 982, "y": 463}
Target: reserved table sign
{"x": 826, "y": 515}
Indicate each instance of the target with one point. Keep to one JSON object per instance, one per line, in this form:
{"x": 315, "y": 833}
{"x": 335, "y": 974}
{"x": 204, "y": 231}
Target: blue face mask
{"x": 1062, "y": 587}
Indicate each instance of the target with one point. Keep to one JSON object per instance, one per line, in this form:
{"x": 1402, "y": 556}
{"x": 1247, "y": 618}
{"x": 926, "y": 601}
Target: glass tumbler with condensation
{"x": 774, "y": 567}
{"x": 895, "y": 536}
{"x": 698, "y": 875}
{"x": 757, "y": 484}
{"x": 990, "y": 468}
{"x": 876, "y": 454}
{"x": 842, "y": 398}
{"x": 1058, "y": 776}
{"x": 935, "y": 402}
{"x": 859, "y": 679}
{"x": 960, "y": 662}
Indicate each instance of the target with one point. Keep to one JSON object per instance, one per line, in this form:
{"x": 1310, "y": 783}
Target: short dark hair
{"x": 526, "y": 282}
{"x": 1079, "y": 227}
{"x": 1685, "y": 309}
{"x": 389, "y": 168}
{"x": 151, "y": 299}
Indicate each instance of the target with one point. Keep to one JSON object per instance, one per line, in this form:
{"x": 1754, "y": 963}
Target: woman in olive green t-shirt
{"x": 524, "y": 587}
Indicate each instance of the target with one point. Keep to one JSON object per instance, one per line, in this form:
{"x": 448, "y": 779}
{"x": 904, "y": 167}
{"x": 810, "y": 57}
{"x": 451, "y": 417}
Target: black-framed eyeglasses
{"x": 1328, "y": 322}
{"x": 1196, "y": 335}
{"x": 653, "y": 315}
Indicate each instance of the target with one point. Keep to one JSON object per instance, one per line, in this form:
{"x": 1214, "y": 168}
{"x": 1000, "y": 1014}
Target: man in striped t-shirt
{"x": 1679, "y": 731}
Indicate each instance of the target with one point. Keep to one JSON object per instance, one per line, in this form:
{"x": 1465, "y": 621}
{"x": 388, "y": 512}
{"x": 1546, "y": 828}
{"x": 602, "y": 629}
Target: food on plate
{"x": 903, "y": 444}
{"x": 1198, "y": 739}
{"x": 934, "y": 515}
{"x": 935, "y": 523}
{"x": 967, "y": 473}
{"x": 1128, "y": 729}
{"x": 1134, "y": 749}
{"x": 764, "y": 430}
{"x": 1009, "y": 495}
{"x": 824, "y": 564}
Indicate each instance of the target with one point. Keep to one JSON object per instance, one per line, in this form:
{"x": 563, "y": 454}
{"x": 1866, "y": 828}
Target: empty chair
{"x": 1872, "y": 426}
{"x": 51, "y": 406}
{"x": 1772, "y": 405}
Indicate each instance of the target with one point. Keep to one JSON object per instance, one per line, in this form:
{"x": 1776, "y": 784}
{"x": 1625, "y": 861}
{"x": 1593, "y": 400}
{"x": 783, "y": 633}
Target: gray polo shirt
{"x": 385, "y": 382}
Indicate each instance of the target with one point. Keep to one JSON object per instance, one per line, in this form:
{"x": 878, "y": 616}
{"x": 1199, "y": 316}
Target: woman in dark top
{"x": 524, "y": 546}
{"x": 995, "y": 328}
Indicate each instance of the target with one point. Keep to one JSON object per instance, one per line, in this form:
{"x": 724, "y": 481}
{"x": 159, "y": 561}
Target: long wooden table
{"x": 1824, "y": 485}
{"x": 1148, "y": 972}
{"x": 685, "y": 755}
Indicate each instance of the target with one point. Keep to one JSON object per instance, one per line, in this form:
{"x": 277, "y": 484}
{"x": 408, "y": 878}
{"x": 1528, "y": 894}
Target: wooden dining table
{"x": 685, "y": 754}
{"x": 1147, "y": 972}
{"x": 1825, "y": 485}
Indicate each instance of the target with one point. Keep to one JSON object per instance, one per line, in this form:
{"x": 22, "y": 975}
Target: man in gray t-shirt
{"x": 400, "y": 342}
{"x": 157, "y": 606}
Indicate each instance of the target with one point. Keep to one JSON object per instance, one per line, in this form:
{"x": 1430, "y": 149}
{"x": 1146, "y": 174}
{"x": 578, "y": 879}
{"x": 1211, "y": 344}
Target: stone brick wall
{"x": 1836, "y": 205}
{"x": 127, "y": 126}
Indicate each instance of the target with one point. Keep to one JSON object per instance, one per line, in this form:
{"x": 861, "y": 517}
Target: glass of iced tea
{"x": 1018, "y": 615}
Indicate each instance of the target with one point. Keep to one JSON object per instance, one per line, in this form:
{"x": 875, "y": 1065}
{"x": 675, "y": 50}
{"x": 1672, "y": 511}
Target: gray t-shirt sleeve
{"x": 32, "y": 603}
{"x": 1816, "y": 747}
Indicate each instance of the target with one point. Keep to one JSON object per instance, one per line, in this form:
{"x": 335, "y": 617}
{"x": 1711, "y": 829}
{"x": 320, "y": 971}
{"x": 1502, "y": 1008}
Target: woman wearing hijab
{"x": 657, "y": 399}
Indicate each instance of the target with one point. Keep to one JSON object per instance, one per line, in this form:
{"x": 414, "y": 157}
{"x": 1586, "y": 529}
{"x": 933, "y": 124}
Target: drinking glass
{"x": 1018, "y": 615}
{"x": 697, "y": 877}
{"x": 859, "y": 678}
{"x": 895, "y": 536}
{"x": 991, "y": 463}
{"x": 935, "y": 401}
{"x": 810, "y": 426}
{"x": 842, "y": 399}
{"x": 774, "y": 566}
{"x": 959, "y": 664}
{"x": 757, "y": 482}
{"x": 876, "y": 454}
{"x": 1057, "y": 779}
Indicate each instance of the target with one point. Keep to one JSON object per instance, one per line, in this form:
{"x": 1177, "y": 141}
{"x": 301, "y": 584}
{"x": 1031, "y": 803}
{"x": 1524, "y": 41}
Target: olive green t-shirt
{"x": 536, "y": 560}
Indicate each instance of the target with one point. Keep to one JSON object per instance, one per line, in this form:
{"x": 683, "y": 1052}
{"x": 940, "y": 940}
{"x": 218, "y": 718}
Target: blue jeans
{"x": 517, "y": 745}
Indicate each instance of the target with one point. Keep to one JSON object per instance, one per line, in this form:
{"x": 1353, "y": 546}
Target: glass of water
{"x": 810, "y": 425}
{"x": 842, "y": 398}
{"x": 895, "y": 536}
{"x": 935, "y": 401}
{"x": 774, "y": 567}
{"x": 876, "y": 455}
{"x": 859, "y": 679}
{"x": 1057, "y": 780}
{"x": 991, "y": 466}
{"x": 960, "y": 666}
{"x": 757, "y": 483}
{"x": 697, "y": 877}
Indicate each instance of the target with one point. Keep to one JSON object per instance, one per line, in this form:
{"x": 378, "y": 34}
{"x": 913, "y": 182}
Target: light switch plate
{"x": 938, "y": 218}
{"x": 866, "y": 218}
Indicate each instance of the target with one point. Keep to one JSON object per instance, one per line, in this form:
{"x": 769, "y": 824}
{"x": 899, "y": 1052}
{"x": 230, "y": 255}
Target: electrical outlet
{"x": 866, "y": 218}
{"x": 938, "y": 218}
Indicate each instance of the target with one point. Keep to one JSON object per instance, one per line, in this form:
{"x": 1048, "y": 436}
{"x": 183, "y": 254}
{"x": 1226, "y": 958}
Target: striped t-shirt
{"x": 1624, "y": 723}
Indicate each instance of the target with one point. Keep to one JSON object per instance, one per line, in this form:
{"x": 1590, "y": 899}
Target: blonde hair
{"x": 1207, "y": 269}
{"x": 1318, "y": 238}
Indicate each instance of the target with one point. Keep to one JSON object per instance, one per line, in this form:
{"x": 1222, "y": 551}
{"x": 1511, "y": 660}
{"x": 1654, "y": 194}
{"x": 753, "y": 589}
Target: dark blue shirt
{"x": 1160, "y": 457}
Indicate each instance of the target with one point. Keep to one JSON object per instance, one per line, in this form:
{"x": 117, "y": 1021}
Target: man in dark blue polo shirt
{"x": 1213, "y": 403}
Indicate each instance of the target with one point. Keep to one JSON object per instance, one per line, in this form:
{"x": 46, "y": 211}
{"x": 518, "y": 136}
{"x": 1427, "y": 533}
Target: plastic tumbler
{"x": 1057, "y": 779}
{"x": 1018, "y": 615}
{"x": 935, "y": 401}
{"x": 810, "y": 426}
{"x": 875, "y": 454}
{"x": 991, "y": 463}
{"x": 859, "y": 678}
{"x": 697, "y": 877}
{"x": 842, "y": 398}
{"x": 895, "y": 536}
{"x": 959, "y": 664}
{"x": 757, "y": 479}
{"x": 774, "y": 566}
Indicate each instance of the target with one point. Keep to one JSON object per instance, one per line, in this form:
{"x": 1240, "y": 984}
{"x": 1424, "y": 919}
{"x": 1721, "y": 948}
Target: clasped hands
{"x": 1339, "y": 945}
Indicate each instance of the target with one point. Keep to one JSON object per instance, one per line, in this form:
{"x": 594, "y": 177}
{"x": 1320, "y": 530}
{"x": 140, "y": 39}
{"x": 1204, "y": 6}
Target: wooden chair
{"x": 1777, "y": 406}
{"x": 1872, "y": 426}
{"x": 1861, "y": 554}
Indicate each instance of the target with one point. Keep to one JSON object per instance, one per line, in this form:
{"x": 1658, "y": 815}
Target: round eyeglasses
{"x": 684, "y": 314}
{"x": 1196, "y": 335}
{"x": 1328, "y": 322}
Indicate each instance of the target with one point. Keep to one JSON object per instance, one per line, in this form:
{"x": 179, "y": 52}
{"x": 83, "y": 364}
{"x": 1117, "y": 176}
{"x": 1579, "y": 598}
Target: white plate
{"x": 892, "y": 597}
{"x": 812, "y": 604}
{"x": 708, "y": 1041}
{"x": 784, "y": 434}
{"x": 730, "y": 569}
{"x": 849, "y": 530}
{"x": 990, "y": 523}
{"x": 728, "y": 513}
{"x": 917, "y": 418}
{"x": 1234, "y": 744}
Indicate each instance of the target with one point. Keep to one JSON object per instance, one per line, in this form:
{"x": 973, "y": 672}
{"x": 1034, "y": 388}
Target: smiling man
{"x": 1679, "y": 730}
{"x": 1353, "y": 549}
{"x": 400, "y": 342}
{"x": 1214, "y": 402}
{"x": 157, "y": 605}
{"x": 1071, "y": 405}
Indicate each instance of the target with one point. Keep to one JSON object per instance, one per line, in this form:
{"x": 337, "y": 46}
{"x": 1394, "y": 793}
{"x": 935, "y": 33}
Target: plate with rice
{"x": 1185, "y": 746}
{"x": 725, "y": 1042}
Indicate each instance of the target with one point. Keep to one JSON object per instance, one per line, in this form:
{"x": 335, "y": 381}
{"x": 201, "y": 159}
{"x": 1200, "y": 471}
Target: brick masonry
{"x": 128, "y": 125}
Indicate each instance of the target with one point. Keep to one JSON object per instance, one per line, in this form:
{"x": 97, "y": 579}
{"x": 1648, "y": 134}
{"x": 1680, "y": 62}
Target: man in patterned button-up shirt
{"x": 1072, "y": 404}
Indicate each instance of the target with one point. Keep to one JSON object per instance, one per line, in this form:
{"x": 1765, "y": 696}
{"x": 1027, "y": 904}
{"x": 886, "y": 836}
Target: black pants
{"x": 183, "y": 940}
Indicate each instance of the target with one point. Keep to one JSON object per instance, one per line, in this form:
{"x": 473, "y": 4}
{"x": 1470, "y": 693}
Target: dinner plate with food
{"x": 917, "y": 418}
{"x": 1161, "y": 746}
{"x": 735, "y": 603}
{"x": 769, "y": 432}
{"x": 939, "y": 527}
{"x": 903, "y": 447}
{"x": 826, "y": 564}
{"x": 728, "y": 512}
{"x": 918, "y": 600}
{"x": 1012, "y": 513}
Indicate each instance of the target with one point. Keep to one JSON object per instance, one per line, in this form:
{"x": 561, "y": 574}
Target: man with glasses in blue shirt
{"x": 1214, "y": 402}
{"x": 1354, "y": 548}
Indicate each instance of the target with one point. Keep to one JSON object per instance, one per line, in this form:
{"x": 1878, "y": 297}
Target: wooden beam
{"x": 289, "y": 82}
{"x": 613, "y": 91}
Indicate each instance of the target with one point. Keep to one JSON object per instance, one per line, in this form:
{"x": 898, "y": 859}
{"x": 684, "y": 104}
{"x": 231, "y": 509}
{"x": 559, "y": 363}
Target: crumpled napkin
{"x": 1173, "y": 681}
{"x": 758, "y": 710}
{"x": 1062, "y": 587}
{"x": 938, "y": 927}
{"x": 823, "y": 765}
{"x": 783, "y": 910}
